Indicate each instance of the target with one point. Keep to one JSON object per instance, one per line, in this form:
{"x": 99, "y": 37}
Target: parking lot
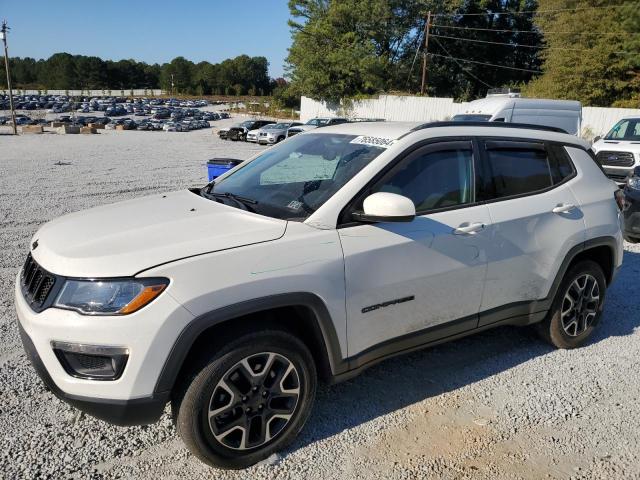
{"x": 501, "y": 404}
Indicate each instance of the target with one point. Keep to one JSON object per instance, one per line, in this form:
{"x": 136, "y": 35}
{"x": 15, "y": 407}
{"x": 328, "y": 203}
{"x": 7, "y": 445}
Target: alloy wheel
{"x": 580, "y": 305}
{"x": 254, "y": 401}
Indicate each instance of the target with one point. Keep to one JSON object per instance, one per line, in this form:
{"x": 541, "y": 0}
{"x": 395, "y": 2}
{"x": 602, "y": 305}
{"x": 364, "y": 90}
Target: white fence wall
{"x": 595, "y": 120}
{"x": 136, "y": 92}
{"x": 600, "y": 120}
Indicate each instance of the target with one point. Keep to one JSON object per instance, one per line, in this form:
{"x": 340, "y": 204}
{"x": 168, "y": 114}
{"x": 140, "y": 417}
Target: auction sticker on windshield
{"x": 373, "y": 141}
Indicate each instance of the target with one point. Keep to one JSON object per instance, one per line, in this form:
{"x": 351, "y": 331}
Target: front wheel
{"x": 250, "y": 400}
{"x": 577, "y": 307}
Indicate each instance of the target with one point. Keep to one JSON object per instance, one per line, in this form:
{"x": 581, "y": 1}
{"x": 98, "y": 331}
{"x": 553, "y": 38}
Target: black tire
{"x": 572, "y": 331}
{"x": 192, "y": 403}
{"x": 280, "y": 138}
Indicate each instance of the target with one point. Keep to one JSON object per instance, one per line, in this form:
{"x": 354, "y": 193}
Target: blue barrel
{"x": 219, "y": 166}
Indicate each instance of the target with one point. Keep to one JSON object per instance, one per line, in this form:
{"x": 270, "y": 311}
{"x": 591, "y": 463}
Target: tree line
{"x": 242, "y": 75}
{"x": 569, "y": 49}
{"x": 588, "y": 50}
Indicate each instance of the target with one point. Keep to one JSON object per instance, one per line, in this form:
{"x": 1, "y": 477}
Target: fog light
{"x": 91, "y": 362}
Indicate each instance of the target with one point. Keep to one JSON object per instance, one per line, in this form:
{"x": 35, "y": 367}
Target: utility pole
{"x": 3, "y": 36}
{"x": 427, "y": 28}
{"x": 172, "y": 85}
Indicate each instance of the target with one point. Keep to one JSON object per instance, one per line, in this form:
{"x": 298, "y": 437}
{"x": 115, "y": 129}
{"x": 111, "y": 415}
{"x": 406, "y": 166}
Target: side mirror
{"x": 598, "y": 137}
{"x": 386, "y": 207}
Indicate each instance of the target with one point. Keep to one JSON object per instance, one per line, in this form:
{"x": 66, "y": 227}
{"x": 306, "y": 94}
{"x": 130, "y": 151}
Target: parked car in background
{"x": 222, "y": 132}
{"x": 252, "y": 136}
{"x": 240, "y": 131}
{"x": 316, "y": 123}
{"x": 619, "y": 150}
{"x": 272, "y": 134}
{"x": 631, "y": 190}
{"x": 563, "y": 114}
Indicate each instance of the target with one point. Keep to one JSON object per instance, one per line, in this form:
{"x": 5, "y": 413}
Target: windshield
{"x": 279, "y": 126}
{"x": 471, "y": 118}
{"x": 247, "y": 123}
{"x": 625, "y": 130}
{"x": 292, "y": 180}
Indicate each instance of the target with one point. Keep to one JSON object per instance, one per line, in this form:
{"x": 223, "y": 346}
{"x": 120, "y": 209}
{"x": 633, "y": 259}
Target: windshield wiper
{"x": 239, "y": 199}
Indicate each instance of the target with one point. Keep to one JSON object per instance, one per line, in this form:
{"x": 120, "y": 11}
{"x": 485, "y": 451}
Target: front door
{"x": 424, "y": 277}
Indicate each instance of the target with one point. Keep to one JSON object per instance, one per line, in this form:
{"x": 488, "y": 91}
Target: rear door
{"x": 535, "y": 220}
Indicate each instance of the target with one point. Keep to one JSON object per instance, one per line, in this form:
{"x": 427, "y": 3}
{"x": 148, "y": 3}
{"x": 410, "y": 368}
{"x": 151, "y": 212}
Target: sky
{"x": 150, "y": 31}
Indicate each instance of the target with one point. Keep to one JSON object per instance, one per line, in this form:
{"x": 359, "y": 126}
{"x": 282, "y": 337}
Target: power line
{"x": 534, "y": 12}
{"x": 519, "y": 45}
{"x": 539, "y": 32}
{"x": 414, "y": 60}
{"x": 463, "y": 68}
{"x": 484, "y": 63}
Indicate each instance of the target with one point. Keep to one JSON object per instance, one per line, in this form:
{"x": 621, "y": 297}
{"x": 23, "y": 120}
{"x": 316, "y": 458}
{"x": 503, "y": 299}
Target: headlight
{"x": 634, "y": 183}
{"x": 109, "y": 297}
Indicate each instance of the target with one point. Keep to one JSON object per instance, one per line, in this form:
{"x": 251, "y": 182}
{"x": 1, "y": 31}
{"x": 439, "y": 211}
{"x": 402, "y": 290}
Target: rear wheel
{"x": 577, "y": 308}
{"x": 249, "y": 400}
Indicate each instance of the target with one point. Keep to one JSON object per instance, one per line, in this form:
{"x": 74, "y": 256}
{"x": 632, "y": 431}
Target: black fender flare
{"x": 323, "y": 326}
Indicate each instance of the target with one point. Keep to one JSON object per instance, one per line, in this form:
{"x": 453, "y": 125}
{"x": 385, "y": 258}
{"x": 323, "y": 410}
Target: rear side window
{"x": 561, "y": 166}
{"x": 515, "y": 168}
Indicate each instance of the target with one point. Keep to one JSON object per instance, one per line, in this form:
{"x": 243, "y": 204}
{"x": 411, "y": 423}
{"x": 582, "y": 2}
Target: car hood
{"x": 617, "y": 146}
{"x": 125, "y": 238}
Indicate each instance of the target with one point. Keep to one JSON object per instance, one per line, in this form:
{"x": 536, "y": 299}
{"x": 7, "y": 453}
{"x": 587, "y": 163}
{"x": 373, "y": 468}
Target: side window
{"x": 435, "y": 176}
{"x": 561, "y": 166}
{"x": 515, "y": 168}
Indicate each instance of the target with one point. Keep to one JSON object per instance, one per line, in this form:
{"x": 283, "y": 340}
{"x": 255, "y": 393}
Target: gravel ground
{"x": 501, "y": 404}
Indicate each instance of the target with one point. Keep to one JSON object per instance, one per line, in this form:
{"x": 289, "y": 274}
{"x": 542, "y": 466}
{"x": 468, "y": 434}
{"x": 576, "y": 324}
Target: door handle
{"x": 468, "y": 228}
{"x": 563, "y": 208}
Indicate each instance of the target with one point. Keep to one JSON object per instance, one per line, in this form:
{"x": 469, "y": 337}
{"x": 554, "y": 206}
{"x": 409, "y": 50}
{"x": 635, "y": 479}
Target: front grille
{"x": 92, "y": 362}
{"x": 36, "y": 283}
{"x": 615, "y": 159}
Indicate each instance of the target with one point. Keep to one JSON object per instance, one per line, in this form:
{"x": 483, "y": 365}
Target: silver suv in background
{"x": 316, "y": 123}
{"x": 272, "y": 134}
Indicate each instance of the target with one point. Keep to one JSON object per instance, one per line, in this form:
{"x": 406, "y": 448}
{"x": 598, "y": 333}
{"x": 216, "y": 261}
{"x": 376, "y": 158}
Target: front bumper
{"x": 139, "y": 411}
{"x": 148, "y": 335}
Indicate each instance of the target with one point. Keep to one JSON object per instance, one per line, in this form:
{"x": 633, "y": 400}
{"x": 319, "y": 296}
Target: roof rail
{"x": 489, "y": 124}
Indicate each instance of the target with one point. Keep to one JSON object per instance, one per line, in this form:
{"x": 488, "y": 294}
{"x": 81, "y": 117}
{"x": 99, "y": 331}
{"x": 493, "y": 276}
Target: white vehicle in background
{"x": 319, "y": 257}
{"x": 316, "y": 123}
{"x": 619, "y": 150}
{"x": 252, "y": 135}
{"x": 510, "y": 108}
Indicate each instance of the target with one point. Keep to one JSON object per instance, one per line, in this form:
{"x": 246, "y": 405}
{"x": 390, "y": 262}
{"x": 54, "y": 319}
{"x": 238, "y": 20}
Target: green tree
{"x": 182, "y": 71}
{"x": 348, "y": 48}
{"x": 591, "y": 55}
{"x": 59, "y": 72}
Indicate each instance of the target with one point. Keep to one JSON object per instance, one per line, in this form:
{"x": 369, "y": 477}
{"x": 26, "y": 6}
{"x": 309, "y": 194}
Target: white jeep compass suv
{"x": 331, "y": 251}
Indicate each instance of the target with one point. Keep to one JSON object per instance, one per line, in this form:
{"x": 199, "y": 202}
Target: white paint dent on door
{"x": 528, "y": 244}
